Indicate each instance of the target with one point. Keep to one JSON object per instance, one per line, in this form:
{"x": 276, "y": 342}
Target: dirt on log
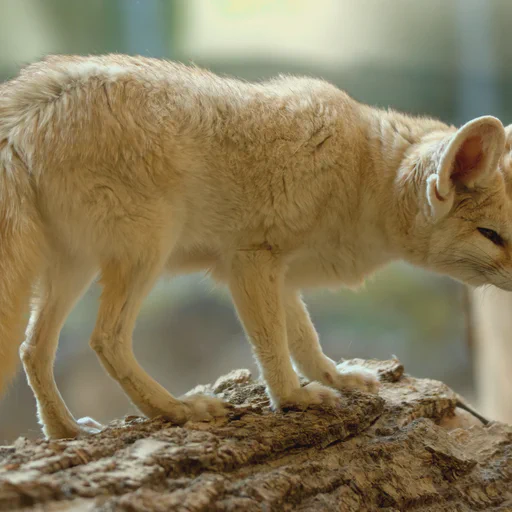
{"x": 409, "y": 448}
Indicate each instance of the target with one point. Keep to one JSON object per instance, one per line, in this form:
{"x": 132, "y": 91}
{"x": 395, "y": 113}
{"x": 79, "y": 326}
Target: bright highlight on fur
{"x": 128, "y": 167}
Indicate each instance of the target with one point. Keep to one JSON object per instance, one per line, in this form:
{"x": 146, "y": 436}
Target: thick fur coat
{"x": 128, "y": 167}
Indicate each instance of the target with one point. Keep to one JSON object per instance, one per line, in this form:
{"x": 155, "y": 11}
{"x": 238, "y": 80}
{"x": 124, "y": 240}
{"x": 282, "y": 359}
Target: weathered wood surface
{"x": 410, "y": 448}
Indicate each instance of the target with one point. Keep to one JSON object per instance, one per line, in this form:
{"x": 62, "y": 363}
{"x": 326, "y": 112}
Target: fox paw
{"x": 350, "y": 376}
{"x": 89, "y": 426}
{"x": 204, "y": 408}
{"x": 311, "y": 395}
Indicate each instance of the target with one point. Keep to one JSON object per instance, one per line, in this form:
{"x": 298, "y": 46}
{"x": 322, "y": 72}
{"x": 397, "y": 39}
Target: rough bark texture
{"x": 410, "y": 448}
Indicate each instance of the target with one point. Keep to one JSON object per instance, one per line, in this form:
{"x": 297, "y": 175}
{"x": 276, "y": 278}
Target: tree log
{"x": 409, "y": 448}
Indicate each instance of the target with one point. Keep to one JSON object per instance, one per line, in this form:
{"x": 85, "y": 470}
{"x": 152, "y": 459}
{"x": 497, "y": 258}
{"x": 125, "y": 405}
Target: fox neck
{"x": 394, "y": 186}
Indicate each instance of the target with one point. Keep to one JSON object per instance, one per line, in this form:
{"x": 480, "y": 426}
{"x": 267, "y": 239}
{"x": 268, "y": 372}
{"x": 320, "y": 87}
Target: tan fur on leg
{"x": 125, "y": 287}
{"x": 257, "y": 289}
{"x": 309, "y": 357}
{"x": 59, "y": 290}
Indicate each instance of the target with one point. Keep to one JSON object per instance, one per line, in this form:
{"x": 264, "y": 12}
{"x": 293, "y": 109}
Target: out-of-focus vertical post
{"x": 490, "y": 311}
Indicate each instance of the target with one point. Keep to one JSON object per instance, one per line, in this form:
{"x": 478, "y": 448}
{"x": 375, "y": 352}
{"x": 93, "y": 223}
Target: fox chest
{"x": 327, "y": 270}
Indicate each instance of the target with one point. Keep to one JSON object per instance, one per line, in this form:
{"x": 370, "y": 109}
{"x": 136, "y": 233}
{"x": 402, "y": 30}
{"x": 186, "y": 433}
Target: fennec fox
{"x": 130, "y": 167}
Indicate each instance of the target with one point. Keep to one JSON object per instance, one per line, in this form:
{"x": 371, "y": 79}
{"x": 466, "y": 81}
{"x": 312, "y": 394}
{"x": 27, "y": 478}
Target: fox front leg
{"x": 256, "y": 285}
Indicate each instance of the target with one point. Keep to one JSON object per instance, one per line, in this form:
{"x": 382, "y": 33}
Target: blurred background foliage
{"x": 443, "y": 58}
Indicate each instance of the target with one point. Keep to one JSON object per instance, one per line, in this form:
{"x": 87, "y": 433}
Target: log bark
{"x": 409, "y": 448}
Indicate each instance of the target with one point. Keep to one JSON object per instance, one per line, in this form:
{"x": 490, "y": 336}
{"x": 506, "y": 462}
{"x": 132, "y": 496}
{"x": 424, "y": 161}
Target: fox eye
{"x": 492, "y": 236}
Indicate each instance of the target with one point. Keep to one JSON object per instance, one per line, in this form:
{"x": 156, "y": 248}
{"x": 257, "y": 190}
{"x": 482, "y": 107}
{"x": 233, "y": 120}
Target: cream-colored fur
{"x": 129, "y": 167}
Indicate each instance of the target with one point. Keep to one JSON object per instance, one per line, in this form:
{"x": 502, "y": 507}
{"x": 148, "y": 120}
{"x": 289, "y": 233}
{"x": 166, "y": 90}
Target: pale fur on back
{"x": 135, "y": 166}
{"x": 231, "y": 164}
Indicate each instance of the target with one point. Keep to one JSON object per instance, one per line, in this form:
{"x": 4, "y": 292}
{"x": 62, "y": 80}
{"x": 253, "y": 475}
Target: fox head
{"x": 462, "y": 222}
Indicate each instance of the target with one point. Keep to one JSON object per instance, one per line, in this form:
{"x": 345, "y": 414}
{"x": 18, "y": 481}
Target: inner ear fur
{"x": 472, "y": 154}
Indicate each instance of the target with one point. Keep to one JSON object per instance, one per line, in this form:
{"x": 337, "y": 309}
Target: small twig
{"x": 471, "y": 411}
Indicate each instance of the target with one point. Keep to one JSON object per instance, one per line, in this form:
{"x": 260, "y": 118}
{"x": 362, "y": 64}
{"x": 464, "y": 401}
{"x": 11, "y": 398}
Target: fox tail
{"x": 21, "y": 256}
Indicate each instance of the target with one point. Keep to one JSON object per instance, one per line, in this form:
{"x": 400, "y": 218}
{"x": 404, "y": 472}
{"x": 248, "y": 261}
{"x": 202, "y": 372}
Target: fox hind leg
{"x": 60, "y": 287}
{"x": 125, "y": 285}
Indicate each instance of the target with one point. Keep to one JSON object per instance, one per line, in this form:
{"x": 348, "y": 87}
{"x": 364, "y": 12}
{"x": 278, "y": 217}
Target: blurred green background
{"x": 444, "y": 58}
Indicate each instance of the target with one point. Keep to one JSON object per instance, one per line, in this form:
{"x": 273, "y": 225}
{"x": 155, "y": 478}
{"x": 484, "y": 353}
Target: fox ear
{"x": 467, "y": 159}
{"x": 508, "y": 138}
